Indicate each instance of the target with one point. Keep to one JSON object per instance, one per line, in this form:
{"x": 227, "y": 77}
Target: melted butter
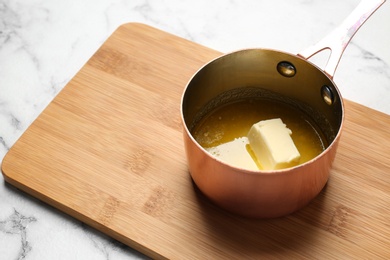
{"x": 233, "y": 121}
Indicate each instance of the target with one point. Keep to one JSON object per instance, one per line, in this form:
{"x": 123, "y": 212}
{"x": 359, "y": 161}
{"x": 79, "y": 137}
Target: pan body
{"x": 262, "y": 74}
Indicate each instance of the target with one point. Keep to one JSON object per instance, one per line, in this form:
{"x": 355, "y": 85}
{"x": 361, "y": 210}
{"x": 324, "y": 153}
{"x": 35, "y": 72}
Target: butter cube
{"x": 234, "y": 153}
{"x": 272, "y": 145}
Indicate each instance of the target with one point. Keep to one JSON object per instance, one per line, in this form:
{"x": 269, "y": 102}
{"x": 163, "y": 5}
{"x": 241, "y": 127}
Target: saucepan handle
{"x": 339, "y": 38}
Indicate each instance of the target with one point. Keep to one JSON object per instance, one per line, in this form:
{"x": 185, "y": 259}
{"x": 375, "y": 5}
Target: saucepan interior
{"x": 255, "y": 73}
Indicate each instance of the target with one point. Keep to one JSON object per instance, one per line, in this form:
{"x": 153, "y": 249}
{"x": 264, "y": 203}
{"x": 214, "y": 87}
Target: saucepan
{"x": 269, "y": 74}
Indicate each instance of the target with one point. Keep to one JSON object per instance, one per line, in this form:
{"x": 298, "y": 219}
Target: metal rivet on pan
{"x": 286, "y": 69}
{"x": 327, "y": 95}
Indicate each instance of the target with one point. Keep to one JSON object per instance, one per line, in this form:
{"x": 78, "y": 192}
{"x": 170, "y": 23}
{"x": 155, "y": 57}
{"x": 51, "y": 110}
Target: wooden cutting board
{"x": 108, "y": 151}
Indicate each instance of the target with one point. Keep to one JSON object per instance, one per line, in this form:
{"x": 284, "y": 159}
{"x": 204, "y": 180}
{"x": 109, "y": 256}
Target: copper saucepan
{"x": 280, "y": 75}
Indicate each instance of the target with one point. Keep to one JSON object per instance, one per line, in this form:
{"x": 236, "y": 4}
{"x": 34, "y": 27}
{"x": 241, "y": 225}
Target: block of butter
{"x": 271, "y": 142}
{"x": 234, "y": 153}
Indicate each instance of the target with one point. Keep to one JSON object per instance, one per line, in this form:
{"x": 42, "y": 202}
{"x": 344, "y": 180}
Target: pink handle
{"x": 340, "y": 37}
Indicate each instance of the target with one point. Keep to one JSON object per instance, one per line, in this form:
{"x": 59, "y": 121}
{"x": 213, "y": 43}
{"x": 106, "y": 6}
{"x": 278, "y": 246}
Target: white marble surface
{"x": 43, "y": 43}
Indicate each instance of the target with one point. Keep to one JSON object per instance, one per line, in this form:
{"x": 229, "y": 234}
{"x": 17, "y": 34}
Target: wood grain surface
{"x": 108, "y": 151}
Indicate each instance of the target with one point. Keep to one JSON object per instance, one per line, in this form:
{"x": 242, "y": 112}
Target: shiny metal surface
{"x": 261, "y": 194}
{"x": 339, "y": 38}
{"x": 264, "y": 194}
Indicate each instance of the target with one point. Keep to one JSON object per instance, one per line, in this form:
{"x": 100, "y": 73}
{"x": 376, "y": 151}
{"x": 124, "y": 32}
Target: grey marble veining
{"x": 44, "y": 43}
{"x": 16, "y": 224}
